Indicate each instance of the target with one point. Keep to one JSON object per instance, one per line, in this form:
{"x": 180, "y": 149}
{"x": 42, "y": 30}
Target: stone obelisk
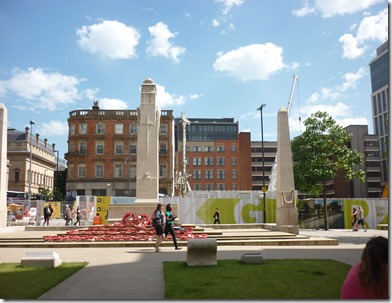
{"x": 286, "y": 195}
{"x": 3, "y": 165}
{"x": 147, "y": 163}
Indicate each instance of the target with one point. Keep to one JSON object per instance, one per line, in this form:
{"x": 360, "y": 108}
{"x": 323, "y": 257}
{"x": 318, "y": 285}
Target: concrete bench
{"x": 254, "y": 258}
{"x": 382, "y": 226}
{"x": 201, "y": 252}
{"x": 41, "y": 259}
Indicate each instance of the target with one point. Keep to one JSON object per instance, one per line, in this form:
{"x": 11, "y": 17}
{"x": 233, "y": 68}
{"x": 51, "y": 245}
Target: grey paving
{"x": 136, "y": 273}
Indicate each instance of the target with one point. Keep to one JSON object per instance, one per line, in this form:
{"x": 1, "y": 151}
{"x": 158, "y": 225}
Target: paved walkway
{"x": 136, "y": 273}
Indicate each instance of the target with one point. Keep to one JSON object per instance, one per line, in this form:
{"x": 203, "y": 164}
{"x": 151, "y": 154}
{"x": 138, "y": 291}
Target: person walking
{"x": 78, "y": 216}
{"x": 47, "y": 213}
{"x": 354, "y": 219}
{"x": 170, "y": 217}
{"x": 216, "y": 216}
{"x": 361, "y": 219}
{"x": 68, "y": 216}
{"x": 368, "y": 279}
{"x": 158, "y": 223}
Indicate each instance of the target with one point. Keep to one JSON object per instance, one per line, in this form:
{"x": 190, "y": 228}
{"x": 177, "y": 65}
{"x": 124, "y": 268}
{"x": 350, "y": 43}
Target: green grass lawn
{"x": 273, "y": 279}
{"x": 21, "y": 283}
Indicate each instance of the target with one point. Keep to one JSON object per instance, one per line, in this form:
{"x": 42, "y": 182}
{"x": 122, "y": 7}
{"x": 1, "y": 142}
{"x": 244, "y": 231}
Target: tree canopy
{"x": 322, "y": 151}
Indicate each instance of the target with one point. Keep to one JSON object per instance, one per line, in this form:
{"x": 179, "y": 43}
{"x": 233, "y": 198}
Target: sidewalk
{"x": 136, "y": 273}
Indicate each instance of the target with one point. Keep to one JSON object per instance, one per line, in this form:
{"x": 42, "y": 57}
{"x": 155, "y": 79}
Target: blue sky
{"x": 209, "y": 59}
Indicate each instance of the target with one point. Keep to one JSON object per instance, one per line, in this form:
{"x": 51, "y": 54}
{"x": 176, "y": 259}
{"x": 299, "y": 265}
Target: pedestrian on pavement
{"x": 78, "y": 216}
{"x": 158, "y": 223}
{"x": 47, "y": 213}
{"x": 354, "y": 219}
{"x": 216, "y": 216}
{"x": 68, "y": 215}
{"x": 170, "y": 217}
{"x": 368, "y": 279}
{"x": 361, "y": 219}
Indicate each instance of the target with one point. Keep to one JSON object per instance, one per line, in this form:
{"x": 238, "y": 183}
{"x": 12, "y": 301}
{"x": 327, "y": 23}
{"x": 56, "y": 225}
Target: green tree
{"x": 320, "y": 153}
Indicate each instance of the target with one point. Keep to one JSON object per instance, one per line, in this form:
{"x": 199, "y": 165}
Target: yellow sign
{"x": 103, "y": 203}
{"x": 264, "y": 189}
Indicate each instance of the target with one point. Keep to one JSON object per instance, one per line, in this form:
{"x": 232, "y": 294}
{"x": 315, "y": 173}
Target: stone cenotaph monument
{"x": 147, "y": 163}
{"x": 3, "y": 165}
{"x": 286, "y": 195}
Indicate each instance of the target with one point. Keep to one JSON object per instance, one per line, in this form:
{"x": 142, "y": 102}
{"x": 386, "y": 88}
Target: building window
{"x": 208, "y": 149}
{"x": 209, "y": 175}
{"x": 132, "y": 149}
{"x": 196, "y": 161}
{"x": 209, "y": 187}
{"x": 118, "y": 170}
{"x": 119, "y": 128}
{"x": 196, "y": 148}
{"x": 17, "y": 176}
{"x": 99, "y": 148}
{"x": 221, "y": 186}
{"x": 71, "y": 147}
{"x": 118, "y": 148}
{"x": 82, "y": 170}
{"x": 100, "y": 128}
{"x": 196, "y": 175}
{"x": 234, "y": 174}
{"x": 197, "y": 186}
{"x": 163, "y": 129}
{"x": 99, "y": 170}
{"x": 163, "y": 148}
{"x": 83, "y": 129}
{"x": 72, "y": 130}
{"x": 83, "y": 147}
{"x": 220, "y": 161}
{"x": 162, "y": 171}
{"x": 220, "y": 149}
{"x": 70, "y": 170}
{"x": 208, "y": 161}
{"x": 133, "y": 129}
{"x": 132, "y": 171}
{"x": 233, "y": 161}
{"x": 234, "y": 149}
{"x": 220, "y": 174}
{"x": 234, "y": 186}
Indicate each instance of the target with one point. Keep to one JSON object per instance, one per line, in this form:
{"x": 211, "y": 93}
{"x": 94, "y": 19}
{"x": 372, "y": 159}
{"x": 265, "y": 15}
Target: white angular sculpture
{"x": 3, "y": 165}
{"x": 147, "y": 167}
{"x": 286, "y": 195}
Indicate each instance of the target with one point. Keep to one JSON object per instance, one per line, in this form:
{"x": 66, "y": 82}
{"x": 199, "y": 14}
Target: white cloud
{"x": 252, "y": 62}
{"x": 331, "y": 8}
{"x": 39, "y": 89}
{"x": 228, "y": 5}
{"x": 110, "y": 39}
{"x": 159, "y": 44}
{"x": 215, "y": 22}
{"x": 351, "y": 79}
{"x": 165, "y": 99}
{"x": 53, "y": 128}
{"x": 106, "y": 103}
{"x": 350, "y": 47}
{"x": 371, "y": 28}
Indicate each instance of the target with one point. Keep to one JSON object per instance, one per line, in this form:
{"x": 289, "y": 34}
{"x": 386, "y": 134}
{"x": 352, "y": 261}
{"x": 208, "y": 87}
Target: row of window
{"x": 118, "y": 147}
{"x": 208, "y": 161}
{"x": 210, "y": 187}
{"x": 118, "y": 129}
{"x": 117, "y": 167}
{"x": 199, "y": 149}
{"x": 209, "y": 174}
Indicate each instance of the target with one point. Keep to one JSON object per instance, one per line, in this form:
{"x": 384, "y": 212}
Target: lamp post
{"x": 31, "y": 159}
{"x": 57, "y": 169}
{"x": 262, "y": 155}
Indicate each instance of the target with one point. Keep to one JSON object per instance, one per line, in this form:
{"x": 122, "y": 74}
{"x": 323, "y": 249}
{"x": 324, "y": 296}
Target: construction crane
{"x": 181, "y": 177}
{"x": 295, "y": 78}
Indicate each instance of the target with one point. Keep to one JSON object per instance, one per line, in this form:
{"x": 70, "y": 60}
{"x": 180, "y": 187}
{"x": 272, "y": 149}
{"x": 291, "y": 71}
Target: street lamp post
{"x": 262, "y": 155}
{"x": 31, "y": 159}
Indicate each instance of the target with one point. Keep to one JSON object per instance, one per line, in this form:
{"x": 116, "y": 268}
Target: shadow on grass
{"x": 21, "y": 283}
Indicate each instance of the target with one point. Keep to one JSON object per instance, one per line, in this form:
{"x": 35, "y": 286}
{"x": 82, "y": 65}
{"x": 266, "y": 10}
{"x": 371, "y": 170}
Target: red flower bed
{"x": 132, "y": 228}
